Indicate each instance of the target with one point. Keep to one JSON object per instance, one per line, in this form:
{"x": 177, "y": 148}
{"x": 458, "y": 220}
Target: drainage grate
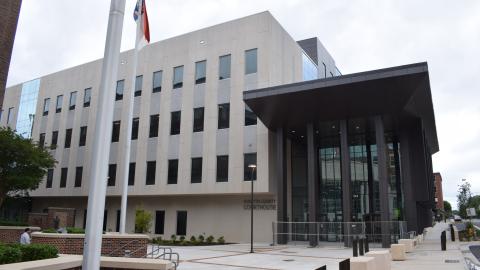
{"x": 452, "y": 261}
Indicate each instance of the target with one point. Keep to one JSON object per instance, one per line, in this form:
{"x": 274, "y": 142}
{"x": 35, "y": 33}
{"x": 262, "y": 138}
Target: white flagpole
{"x": 128, "y": 140}
{"x": 101, "y": 138}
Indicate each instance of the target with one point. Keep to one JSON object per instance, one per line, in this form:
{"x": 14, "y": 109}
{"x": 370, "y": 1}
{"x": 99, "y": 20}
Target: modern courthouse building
{"x": 328, "y": 147}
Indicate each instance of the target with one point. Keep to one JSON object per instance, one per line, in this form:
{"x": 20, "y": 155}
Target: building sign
{"x": 260, "y": 204}
{"x": 471, "y": 212}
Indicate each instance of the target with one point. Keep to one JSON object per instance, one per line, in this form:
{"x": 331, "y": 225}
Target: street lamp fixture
{"x": 252, "y": 167}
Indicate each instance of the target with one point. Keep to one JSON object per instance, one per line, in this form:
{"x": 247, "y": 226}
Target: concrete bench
{"x": 363, "y": 263}
{"x": 383, "y": 259}
{"x": 409, "y": 244}
{"x": 398, "y": 252}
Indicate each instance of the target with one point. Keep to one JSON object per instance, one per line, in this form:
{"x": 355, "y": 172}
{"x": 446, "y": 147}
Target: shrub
{"x": 173, "y": 237}
{"x": 182, "y": 238}
{"x": 49, "y": 230}
{"x": 201, "y": 238}
{"x": 34, "y": 252}
{"x": 143, "y": 221}
{"x": 10, "y": 254}
{"x": 210, "y": 239}
{"x": 12, "y": 223}
{"x": 193, "y": 239}
{"x": 75, "y": 230}
{"x": 221, "y": 240}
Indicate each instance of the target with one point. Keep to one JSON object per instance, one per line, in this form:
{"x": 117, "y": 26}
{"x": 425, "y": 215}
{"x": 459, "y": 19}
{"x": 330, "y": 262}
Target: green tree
{"x": 447, "y": 207}
{"x": 143, "y": 221}
{"x": 463, "y": 198}
{"x": 23, "y": 164}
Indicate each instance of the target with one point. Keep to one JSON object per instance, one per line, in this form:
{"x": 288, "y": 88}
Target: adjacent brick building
{"x": 9, "y": 11}
{"x": 438, "y": 191}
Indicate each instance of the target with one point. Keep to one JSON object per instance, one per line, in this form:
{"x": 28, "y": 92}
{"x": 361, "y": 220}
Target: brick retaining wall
{"x": 11, "y": 234}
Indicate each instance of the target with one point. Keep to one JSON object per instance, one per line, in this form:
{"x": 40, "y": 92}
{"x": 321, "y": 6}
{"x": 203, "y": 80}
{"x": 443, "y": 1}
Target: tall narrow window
{"x": 150, "y": 176}
{"x": 58, "y": 107}
{"x": 159, "y": 222}
{"x": 249, "y": 159}
{"x": 119, "y": 90}
{"x": 117, "y": 225}
{"x": 78, "y": 176}
{"x": 68, "y": 138}
{"x": 10, "y": 115}
{"x": 251, "y": 61}
{"x": 135, "y": 123}
{"x": 138, "y": 85}
{"x": 196, "y": 175}
{"x": 175, "y": 123}
{"x": 198, "y": 119}
{"x": 73, "y": 100}
{"x": 63, "y": 177}
{"x": 200, "y": 72}
{"x": 181, "y": 222}
{"x": 157, "y": 81}
{"x": 53, "y": 145}
{"x": 131, "y": 174}
{"x": 222, "y": 168}
{"x": 41, "y": 140}
{"x": 87, "y": 96}
{"x": 172, "y": 171}
{"x": 83, "y": 136}
{"x": 178, "y": 77}
{"x": 46, "y": 106}
{"x": 154, "y": 125}
{"x": 223, "y": 116}
{"x": 105, "y": 220}
{"x": 112, "y": 174}
{"x": 224, "y": 67}
{"x": 49, "y": 178}
{"x": 250, "y": 117}
{"x": 116, "y": 131}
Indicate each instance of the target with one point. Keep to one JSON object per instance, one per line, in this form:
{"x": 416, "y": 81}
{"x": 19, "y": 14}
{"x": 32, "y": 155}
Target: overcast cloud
{"x": 361, "y": 35}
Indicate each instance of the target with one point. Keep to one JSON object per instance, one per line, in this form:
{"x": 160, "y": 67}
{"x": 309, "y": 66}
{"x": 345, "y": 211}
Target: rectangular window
{"x": 10, "y": 115}
{"x": 46, "y": 106}
{"x": 159, "y": 222}
{"x": 58, "y": 108}
{"x": 131, "y": 174}
{"x": 73, "y": 100}
{"x": 198, "y": 119}
{"x": 138, "y": 85}
{"x": 157, "y": 81}
{"x": 78, "y": 176}
{"x": 178, "y": 77}
{"x": 196, "y": 176}
{"x": 84, "y": 218}
{"x": 135, "y": 123}
{"x": 116, "y": 131}
{"x": 200, "y": 72}
{"x": 172, "y": 171}
{"x": 175, "y": 123}
{"x": 119, "y": 90}
{"x": 87, "y": 96}
{"x": 181, "y": 222}
{"x": 117, "y": 225}
{"x": 250, "y": 117}
{"x": 63, "y": 177}
{"x": 154, "y": 125}
{"x": 223, "y": 116}
{"x": 151, "y": 169}
{"x": 83, "y": 136}
{"x": 68, "y": 137}
{"x": 41, "y": 140}
{"x": 53, "y": 145}
{"x": 49, "y": 178}
{"x": 105, "y": 220}
{"x": 222, "y": 168}
{"x": 251, "y": 61}
{"x": 224, "y": 67}
{"x": 112, "y": 174}
{"x": 249, "y": 159}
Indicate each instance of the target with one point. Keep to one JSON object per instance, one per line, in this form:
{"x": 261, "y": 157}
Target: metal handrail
{"x": 175, "y": 262}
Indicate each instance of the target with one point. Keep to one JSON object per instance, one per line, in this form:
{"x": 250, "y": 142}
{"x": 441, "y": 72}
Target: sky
{"x": 361, "y": 35}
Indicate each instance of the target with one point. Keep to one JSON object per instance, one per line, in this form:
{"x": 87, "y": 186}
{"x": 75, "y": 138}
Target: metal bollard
{"x": 452, "y": 233}
{"x": 443, "y": 241}
{"x": 344, "y": 265}
{"x": 360, "y": 246}
{"x": 367, "y": 248}
{"x": 355, "y": 247}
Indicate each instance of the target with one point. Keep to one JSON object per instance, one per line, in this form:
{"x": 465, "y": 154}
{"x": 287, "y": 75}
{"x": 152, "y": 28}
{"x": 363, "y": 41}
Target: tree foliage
{"x": 463, "y": 198}
{"x": 143, "y": 221}
{"x": 447, "y": 207}
{"x": 23, "y": 164}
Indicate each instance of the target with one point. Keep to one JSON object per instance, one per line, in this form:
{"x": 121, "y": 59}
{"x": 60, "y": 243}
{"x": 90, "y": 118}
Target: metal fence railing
{"x": 293, "y": 232}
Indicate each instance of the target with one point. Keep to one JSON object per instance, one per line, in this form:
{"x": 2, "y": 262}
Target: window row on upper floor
{"x": 224, "y": 72}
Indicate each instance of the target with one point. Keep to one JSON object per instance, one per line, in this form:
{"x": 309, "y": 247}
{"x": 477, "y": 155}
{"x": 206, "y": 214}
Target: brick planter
{"x": 112, "y": 244}
{"x": 11, "y": 234}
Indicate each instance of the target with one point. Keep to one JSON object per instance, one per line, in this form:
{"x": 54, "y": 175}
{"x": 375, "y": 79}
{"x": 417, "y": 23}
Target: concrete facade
{"x": 214, "y": 208}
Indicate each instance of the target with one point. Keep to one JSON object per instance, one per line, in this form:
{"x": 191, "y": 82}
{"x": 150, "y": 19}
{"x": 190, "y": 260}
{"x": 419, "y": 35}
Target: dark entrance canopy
{"x": 401, "y": 91}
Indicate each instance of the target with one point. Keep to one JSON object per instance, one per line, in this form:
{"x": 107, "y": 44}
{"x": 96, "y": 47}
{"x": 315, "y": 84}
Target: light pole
{"x": 251, "y": 166}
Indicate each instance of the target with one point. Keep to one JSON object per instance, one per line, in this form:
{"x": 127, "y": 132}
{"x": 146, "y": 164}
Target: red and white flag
{"x": 143, "y": 30}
